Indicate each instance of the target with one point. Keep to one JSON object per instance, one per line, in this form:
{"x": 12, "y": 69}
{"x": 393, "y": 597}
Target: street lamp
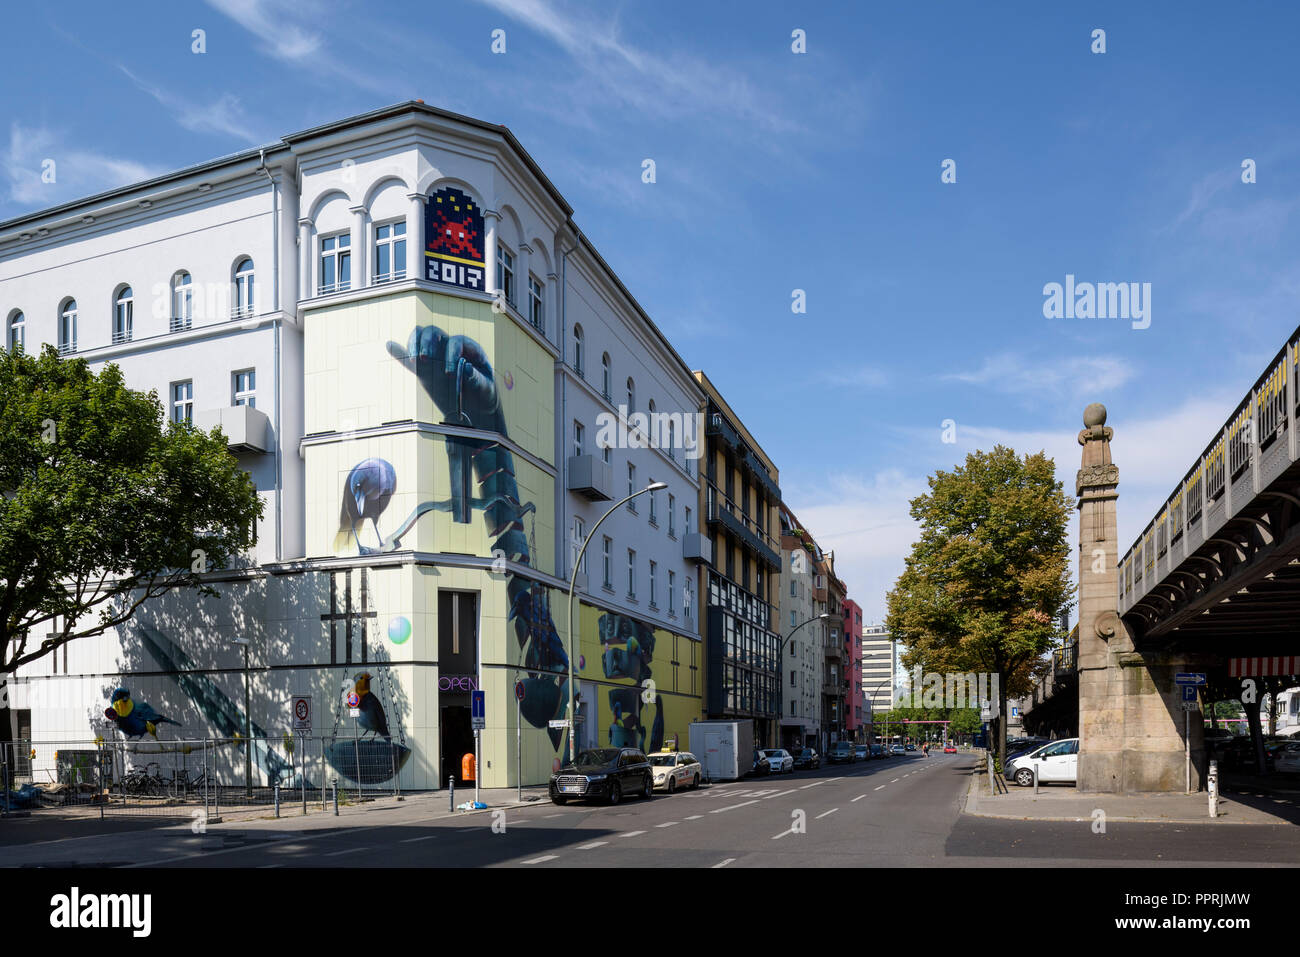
{"x": 573, "y": 578}
{"x": 248, "y": 724}
{"x": 780, "y": 668}
{"x": 873, "y": 707}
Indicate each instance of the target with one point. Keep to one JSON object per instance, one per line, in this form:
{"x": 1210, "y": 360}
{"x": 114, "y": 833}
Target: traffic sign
{"x": 302, "y": 713}
{"x": 354, "y": 700}
{"x": 1189, "y": 678}
{"x": 519, "y": 690}
{"x": 1189, "y": 692}
{"x": 1189, "y": 705}
{"x": 561, "y": 723}
{"x": 478, "y": 710}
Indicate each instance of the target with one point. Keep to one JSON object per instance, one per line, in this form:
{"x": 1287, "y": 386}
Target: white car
{"x": 779, "y": 761}
{"x": 675, "y": 769}
{"x": 1286, "y": 759}
{"x": 1056, "y": 761}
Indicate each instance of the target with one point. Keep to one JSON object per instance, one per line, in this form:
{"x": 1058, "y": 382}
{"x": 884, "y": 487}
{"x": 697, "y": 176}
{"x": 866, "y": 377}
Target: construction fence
{"x": 104, "y": 777}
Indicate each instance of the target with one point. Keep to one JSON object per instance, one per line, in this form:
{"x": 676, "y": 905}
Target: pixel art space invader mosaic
{"x": 453, "y": 231}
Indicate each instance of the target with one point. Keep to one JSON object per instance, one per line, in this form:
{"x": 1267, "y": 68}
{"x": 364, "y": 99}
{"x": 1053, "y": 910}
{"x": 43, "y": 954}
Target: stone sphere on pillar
{"x": 1094, "y": 415}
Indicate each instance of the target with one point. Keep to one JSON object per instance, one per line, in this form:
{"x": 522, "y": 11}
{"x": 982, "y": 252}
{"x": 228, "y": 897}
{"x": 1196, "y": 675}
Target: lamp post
{"x": 573, "y": 578}
{"x": 873, "y": 709}
{"x": 780, "y": 668}
{"x": 248, "y": 725}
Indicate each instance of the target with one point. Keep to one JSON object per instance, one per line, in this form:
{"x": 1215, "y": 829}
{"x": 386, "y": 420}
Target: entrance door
{"x": 457, "y": 740}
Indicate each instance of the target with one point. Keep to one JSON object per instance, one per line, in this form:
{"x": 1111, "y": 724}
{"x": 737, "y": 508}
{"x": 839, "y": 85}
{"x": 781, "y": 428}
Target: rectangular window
{"x": 578, "y": 432}
{"x": 579, "y": 536}
{"x": 506, "y": 274}
{"x": 245, "y": 388}
{"x": 536, "y": 304}
{"x": 686, "y": 521}
{"x": 794, "y": 588}
{"x": 390, "y": 252}
{"x": 631, "y": 485}
{"x": 672, "y": 511}
{"x": 631, "y": 573}
{"x": 607, "y": 454}
{"x": 672, "y": 595}
{"x": 335, "y": 263}
{"x": 792, "y": 621}
{"x": 654, "y": 517}
{"x": 183, "y": 401}
{"x": 607, "y": 562}
{"x": 653, "y": 583}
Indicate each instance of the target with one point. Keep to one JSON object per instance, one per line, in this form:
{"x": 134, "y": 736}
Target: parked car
{"x": 807, "y": 758}
{"x": 761, "y": 766}
{"x": 779, "y": 760}
{"x": 877, "y": 751}
{"x": 675, "y": 769}
{"x": 911, "y": 747}
{"x": 841, "y": 752}
{"x": 607, "y": 773}
{"x": 1057, "y": 761}
{"x": 898, "y": 749}
{"x": 861, "y": 753}
{"x": 1239, "y": 754}
{"x": 1286, "y": 759}
{"x": 950, "y": 748}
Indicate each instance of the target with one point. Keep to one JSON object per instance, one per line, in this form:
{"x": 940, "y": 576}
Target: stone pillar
{"x": 360, "y": 248}
{"x": 490, "y": 219}
{"x": 415, "y": 238}
{"x": 306, "y": 261}
{"x": 1131, "y": 720}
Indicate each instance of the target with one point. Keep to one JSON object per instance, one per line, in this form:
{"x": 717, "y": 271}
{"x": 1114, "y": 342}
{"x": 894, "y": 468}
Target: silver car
{"x": 779, "y": 761}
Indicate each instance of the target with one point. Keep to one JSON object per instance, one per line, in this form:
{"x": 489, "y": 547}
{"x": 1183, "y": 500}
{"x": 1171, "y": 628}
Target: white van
{"x": 1056, "y": 761}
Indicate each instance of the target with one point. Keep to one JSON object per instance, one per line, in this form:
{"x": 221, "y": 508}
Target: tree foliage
{"x": 104, "y": 505}
{"x": 984, "y": 585}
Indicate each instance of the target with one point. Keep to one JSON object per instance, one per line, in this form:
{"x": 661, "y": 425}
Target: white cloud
{"x": 1059, "y": 376}
{"x": 77, "y": 171}
{"x": 225, "y": 115}
{"x": 280, "y": 25}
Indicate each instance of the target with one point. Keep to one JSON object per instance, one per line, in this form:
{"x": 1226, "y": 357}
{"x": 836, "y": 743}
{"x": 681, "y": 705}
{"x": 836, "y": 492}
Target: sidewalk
{"x": 1059, "y": 802}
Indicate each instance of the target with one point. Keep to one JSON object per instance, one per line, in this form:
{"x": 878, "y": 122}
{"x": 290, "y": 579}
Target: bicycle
{"x": 144, "y": 782}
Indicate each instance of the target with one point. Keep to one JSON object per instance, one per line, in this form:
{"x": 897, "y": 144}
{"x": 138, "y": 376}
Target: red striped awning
{"x": 1263, "y": 667}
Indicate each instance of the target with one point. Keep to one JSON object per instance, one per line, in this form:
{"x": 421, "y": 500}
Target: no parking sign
{"x": 302, "y": 713}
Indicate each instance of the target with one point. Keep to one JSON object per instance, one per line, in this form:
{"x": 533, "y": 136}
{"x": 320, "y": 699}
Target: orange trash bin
{"x": 467, "y": 767}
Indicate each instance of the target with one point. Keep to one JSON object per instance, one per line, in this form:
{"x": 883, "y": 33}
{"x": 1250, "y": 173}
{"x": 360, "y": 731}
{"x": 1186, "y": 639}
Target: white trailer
{"x": 725, "y": 748}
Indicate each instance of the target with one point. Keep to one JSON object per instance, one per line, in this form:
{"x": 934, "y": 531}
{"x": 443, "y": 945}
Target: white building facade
{"x": 413, "y": 351}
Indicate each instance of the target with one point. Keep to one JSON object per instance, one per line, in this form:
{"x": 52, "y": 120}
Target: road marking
{"x": 541, "y": 860}
{"x": 813, "y": 785}
{"x": 880, "y": 788}
{"x": 561, "y": 813}
{"x": 667, "y": 824}
{"x": 719, "y": 810}
{"x": 631, "y": 833}
{"x": 723, "y": 863}
{"x": 781, "y": 793}
{"x": 695, "y": 817}
{"x": 857, "y": 799}
{"x": 777, "y": 837}
{"x": 820, "y": 816}
{"x": 346, "y": 850}
{"x": 412, "y": 840}
{"x": 895, "y": 779}
{"x": 589, "y": 846}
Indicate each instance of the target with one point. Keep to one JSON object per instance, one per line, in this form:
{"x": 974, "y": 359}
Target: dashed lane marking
{"x": 631, "y": 833}
{"x": 540, "y": 860}
{"x": 826, "y": 814}
{"x": 667, "y": 824}
{"x": 588, "y": 846}
{"x": 719, "y": 810}
{"x": 857, "y": 799}
{"x": 723, "y": 863}
{"x": 412, "y": 840}
{"x": 880, "y": 788}
{"x": 694, "y": 817}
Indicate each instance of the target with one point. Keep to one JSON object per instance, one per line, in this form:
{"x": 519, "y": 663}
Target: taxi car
{"x": 675, "y": 769}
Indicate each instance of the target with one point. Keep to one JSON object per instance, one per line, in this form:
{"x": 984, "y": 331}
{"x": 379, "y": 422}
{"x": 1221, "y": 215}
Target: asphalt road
{"x": 899, "y": 812}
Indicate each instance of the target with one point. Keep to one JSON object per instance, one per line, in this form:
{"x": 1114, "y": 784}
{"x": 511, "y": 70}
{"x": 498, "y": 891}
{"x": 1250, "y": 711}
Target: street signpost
{"x": 1188, "y": 681}
{"x": 478, "y": 714}
{"x": 1194, "y": 678}
{"x": 302, "y": 714}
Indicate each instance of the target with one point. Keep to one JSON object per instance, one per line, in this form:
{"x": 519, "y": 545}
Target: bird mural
{"x": 134, "y": 719}
{"x": 372, "y": 718}
{"x": 366, "y": 493}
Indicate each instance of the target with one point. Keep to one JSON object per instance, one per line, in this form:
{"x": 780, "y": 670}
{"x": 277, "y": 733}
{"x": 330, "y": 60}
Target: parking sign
{"x": 478, "y": 710}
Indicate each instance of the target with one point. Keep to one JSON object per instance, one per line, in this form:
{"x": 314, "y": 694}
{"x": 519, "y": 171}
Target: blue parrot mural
{"x": 134, "y": 719}
{"x": 367, "y": 491}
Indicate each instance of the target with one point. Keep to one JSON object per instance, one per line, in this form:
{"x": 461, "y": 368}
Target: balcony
{"x": 180, "y": 323}
{"x": 719, "y": 426}
{"x": 750, "y": 463}
{"x": 697, "y": 547}
{"x": 590, "y": 477}
{"x": 246, "y": 429}
{"x": 721, "y": 510}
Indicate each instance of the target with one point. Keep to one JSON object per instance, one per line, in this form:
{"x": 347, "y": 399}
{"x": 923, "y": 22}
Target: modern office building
{"x": 439, "y": 387}
{"x": 879, "y": 663}
{"x": 740, "y": 499}
{"x": 801, "y": 666}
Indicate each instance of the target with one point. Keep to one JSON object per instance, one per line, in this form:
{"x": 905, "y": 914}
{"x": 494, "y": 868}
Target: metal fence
{"x": 100, "y": 777}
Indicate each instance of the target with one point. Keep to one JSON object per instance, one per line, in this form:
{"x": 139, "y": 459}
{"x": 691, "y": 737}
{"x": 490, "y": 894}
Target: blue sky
{"x": 819, "y": 171}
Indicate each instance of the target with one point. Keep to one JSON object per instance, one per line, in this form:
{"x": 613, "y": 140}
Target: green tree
{"x": 103, "y": 505}
{"x": 985, "y": 583}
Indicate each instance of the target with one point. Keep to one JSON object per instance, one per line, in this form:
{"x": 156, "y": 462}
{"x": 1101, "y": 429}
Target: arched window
{"x": 577, "y": 349}
{"x": 243, "y": 305}
{"x": 652, "y": 437}
{"x": 123, "y": 313}
{"x": 16, "y": 336}
{"x": 68, "y": 327}
{"x": 182, "y": 301}
{"x": 631, "y": 395}
{"x": 606, "y": 382}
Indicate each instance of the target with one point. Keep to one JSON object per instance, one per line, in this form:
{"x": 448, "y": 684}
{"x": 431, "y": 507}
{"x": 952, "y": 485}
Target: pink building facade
{"x": 855, "y": 718}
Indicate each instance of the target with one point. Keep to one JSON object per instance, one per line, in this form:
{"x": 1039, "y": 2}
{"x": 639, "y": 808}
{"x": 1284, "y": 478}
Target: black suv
{"x": 607, "y": 773}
